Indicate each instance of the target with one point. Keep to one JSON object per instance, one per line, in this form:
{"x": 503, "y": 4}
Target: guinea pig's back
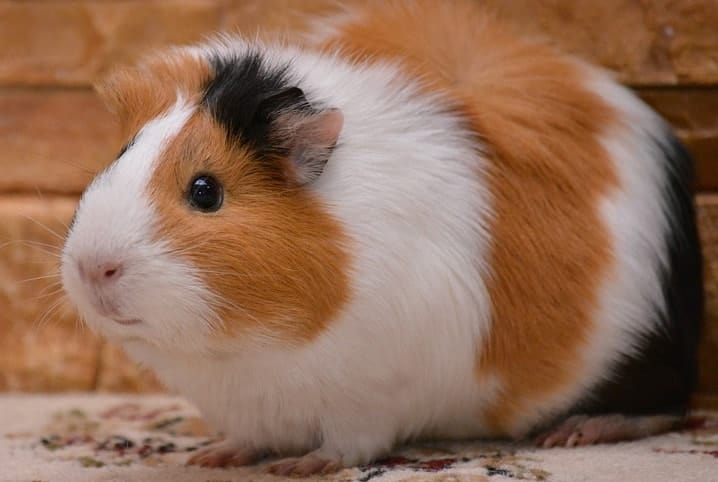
{"x": 595, "y": 269}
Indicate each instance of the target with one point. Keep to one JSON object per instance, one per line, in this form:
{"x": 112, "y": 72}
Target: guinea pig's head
{"x": 207, "y": 228}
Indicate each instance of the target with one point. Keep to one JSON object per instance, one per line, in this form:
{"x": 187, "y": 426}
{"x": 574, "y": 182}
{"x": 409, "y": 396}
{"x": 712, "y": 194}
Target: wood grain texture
{"x": 275, "y": 16}
{"x": 647, "y": 42}
{"x": 42, "y": 345}
{"x": 53, "y": 141}
{"x": 662, "y": 42}
{"x": 693, "y": 112}
{"x": 116, "y": 373}
{"x": 71, "y": 43}
{"x": 708, "y": 224}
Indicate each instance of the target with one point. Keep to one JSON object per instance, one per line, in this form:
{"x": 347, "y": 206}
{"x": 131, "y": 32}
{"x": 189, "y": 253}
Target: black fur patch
{"x": 662, "y": 378}
{"x": 245, "y": 96}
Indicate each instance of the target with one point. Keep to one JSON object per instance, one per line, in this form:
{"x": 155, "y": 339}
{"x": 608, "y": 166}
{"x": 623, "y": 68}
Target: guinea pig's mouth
{"x": 132, "y": 321}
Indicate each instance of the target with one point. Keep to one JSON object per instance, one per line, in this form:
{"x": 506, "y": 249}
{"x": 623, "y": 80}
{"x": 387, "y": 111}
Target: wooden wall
{"x": 54, "y": 134}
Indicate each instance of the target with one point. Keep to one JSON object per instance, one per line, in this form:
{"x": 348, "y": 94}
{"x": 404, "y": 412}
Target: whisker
{"x": 42, "y": 198}
{"x": 222, "y": 303}
{"x": 42, "y": 295}
{"x": 35, "y": 262}
{"x": 46, "y": 228}
{"x": 84, "y": 169}
{"x": 37, "y": 278}
{"x": 234, "y": 273}
{"x": 53, "y": 254}
{"x": 51, "y": 310}
{"x": 33, "y": 243}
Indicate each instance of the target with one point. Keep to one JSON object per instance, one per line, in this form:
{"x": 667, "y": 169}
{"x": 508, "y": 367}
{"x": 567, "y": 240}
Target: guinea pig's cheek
{"x": 288, "y": 289}
{"x": 168, "y": 298}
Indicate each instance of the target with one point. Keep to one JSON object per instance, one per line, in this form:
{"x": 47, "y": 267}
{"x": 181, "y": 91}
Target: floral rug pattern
{"x": 108, "y": 438}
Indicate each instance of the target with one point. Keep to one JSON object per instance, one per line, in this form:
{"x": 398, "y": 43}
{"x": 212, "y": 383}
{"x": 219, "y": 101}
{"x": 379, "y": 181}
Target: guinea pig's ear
{"x": 309, "y": 141}
{"x": 304, "y": 134}
{"x": 115, "y": 91}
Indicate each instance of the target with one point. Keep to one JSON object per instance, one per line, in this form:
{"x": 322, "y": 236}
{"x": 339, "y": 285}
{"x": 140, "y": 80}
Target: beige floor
{"x": 75, "y": 438}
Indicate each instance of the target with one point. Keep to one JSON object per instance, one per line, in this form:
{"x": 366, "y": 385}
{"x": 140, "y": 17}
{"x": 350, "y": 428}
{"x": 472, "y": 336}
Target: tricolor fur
{"x": 434, "y": 229}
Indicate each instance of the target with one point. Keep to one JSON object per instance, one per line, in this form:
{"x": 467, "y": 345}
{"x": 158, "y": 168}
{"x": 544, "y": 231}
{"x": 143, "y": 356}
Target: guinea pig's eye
{"x": 205, "y": 194}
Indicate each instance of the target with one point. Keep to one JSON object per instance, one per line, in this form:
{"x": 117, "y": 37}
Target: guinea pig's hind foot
{"x": 226, "y": 454}
{"x": 311, "y": 464}
{"x": 581, "y": 430}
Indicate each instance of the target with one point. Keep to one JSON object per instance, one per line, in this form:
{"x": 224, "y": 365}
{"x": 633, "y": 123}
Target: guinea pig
{"x": 413, "y": 224}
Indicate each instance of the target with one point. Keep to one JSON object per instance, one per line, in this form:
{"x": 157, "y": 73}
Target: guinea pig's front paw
{"x": 226, "y": 454}
{"x": 313, "y": 463}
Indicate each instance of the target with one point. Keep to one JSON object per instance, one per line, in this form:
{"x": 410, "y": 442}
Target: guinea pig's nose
{"x": 100, "y": 272}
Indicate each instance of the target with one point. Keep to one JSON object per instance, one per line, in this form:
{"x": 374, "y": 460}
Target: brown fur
{"x": 271, "y": 251}
{"x": 141, "y": 93}
{"x": 547, "y": 172}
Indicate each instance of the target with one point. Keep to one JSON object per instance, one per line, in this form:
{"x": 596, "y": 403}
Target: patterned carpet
{"x": 74, "y": 438}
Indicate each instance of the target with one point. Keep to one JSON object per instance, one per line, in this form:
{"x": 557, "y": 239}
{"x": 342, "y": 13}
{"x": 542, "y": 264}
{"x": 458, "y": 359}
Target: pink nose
{"x": 100, "y": 273}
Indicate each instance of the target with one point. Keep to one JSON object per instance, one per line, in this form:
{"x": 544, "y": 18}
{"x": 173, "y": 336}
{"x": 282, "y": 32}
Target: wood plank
{"x": 658, "y": 42}
{"x": 661, "y": 42}
{"x": 693, "y": 112}
{"x": 74, "y": 42}
{"x": 53, "y": 140}
{"x": 42, "y": 347}
{"x": 116, "y": 373}
{"x": 708, "y": 222}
